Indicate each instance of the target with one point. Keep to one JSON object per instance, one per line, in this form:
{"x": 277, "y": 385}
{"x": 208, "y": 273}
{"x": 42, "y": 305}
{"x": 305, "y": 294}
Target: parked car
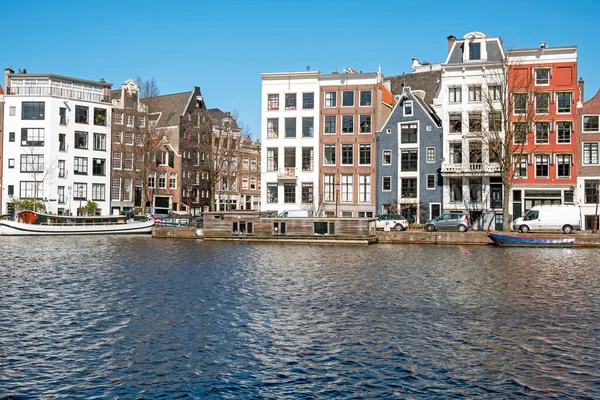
{"x": 549, "y": 217}
{"x": 394, "y": 221}
{"x": 450, "y": 221}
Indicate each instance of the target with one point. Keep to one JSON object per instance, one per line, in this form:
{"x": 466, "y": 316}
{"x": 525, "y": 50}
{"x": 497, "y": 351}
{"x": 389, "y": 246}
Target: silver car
{"x": 450, "y": 221}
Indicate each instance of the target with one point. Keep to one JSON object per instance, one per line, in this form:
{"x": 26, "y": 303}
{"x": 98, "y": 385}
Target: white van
{"x": 294, "y": 214}
{"x": 549, "y": 217}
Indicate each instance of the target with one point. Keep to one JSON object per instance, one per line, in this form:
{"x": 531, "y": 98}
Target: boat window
{"x": 235, "y": 228}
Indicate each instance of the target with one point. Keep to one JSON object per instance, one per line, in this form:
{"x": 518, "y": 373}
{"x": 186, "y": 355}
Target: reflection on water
{"x": 139, "y": 317}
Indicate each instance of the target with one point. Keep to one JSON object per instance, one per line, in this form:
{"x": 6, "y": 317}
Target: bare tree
{"x": 39, "y": 170}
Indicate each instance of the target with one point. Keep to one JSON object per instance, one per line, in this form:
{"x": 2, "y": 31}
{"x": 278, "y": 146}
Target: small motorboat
{"x": 505, "y": 240}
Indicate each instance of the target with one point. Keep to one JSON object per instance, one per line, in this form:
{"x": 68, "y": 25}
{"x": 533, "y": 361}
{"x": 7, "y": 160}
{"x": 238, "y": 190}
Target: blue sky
{"x": 224, "y": 46}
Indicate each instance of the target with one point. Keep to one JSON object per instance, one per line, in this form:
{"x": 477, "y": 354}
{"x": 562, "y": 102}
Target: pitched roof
{"x": 170, "y": 107}
{"x": 429, "y": 82}
{"x": 386, "y": 95}
{"x": 216, "y": 116}
{"x": 1, "y": 91}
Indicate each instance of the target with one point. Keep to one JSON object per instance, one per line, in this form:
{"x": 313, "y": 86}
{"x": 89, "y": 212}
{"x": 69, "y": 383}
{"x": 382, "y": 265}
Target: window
{"x": 119, "y": 118}
{"x": 307, "y": 126}
{"x": 329, "y": 154}
{"x": 61, "y": 194}
{"x": 31, "y": 163}
{"x": 273, "y": 102}
{"x": 494, "y": 150}
{"x": 542, "y": 162}
{"x": 542, "y": 132}
{"x": 117, "y": 160}
{"x": 409, "y": 160}
{"x": 347, "y": 154}
{"x": 11, "y": 136}
{"x": 474, "y": 51}
{"x": 542, "y": 76}
{"x": 129, "y": 138}
{"x": 307, "y": 192}
{"x": 130, "y": 121}
{"x": 290, "y": 101}
{"x": 290, "y": 127}
{"x": 152, "y": 180}
{"x": 364, "y": 123}
{"x": 365, "y": 98}
{"x": 99, "y": 141}
{"x": 519, "y": 103}
{"x": 563, "y": 102}
{"x": 81, "y": 140}
{"x": 590, "y": 153}
{"x": 591, "y": 123}
{"x": 542, "y": 103}
{"x": 329, "y": 187}
{"x": 29, "y": 190}
{"x": 455, "y": 185}
{"x": 347, "y": 123}
{"x": 364, "y": 188}
{"x": 115, "y": 189}
{"x": 495, "y": 92}
{"x": 408, "y": 133}
{"x": 520, "y": 165}
{"x": 289, "y": 157}
{"x": 520, "y": 133}
{"x": 307, "y": 158}
{"x": 13, "y": 111}
{"x": 79, "y": 191}
{"x": 289, "y": 192}
{"x": 253, "y": 165}
{"x": 408, "y": 188}
{"x": 563, "y": 165}
{"x": 62, "y": 170}
{"x": 272, "y": 127}
{"x": 347, "y": 98}
{"x": 346, "y": 188}
{"x": 455, "y": 94}
{"x": 474, "y": 122}
{"x": 118, "y": 137}
{"x": 272, "y": 159}
{"x": 11, "y": 162}
{"x": 430, "y": 156}
{"x": 162, "y": 180}
{"x": 591, "y": 191}
{"x": 430, "y": 181}
{"x": 408, "y": 108}
{"x": 386, "y": 157}
{"x": 330, "y": 122}
{"x": 272, "y": 193}
{"x": 330, "y": 99}
{"x": 128, "y": 162}
{"x": 33, "y": 110}
{"x": 252, "y": 183}
{"x": 99, "y": 167}
{"x": 364, "y": 154}
{"x": 98, "y": 192}
{"x": 173, "y": 180}
{"x": 80, "y": 166}
{"x": 495, "y": 121}
{"x": 455, "y": 152}
{"x": 455, "y": 123}
{"x": 474, "y": 93}
{"x": 475, "y": 190}
{"x": 100, "y": 116}
{"x": 30, "y": 137}
{"x": 308, "y": 101}
{"x": 81, "y": 114}
{"x": 141, "y": 121}
{"x": 386, "y": 183}
{"x": 127, "y": 189}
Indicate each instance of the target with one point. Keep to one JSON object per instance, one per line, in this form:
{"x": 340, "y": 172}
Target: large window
{"x": 474, "y": 122}
{"x": 99, "y": 167}
{"x": 495, "y": 121}
{"x": 455, "y": 185}
{"x": 591, "y": 191}
{"x": 409, "y": 160}
{"x": 272, "y": 196}
{"x": 520, "y": 165}
{"x": 455, "y": 123}
{"x": 98, "y": 192}
{"x": 329, "y": 154}
{"x": 32, "y": 137}
{"x": 563, "y": 165}
{"x": 272, "y": 127}
{"x": 364, "y": 154}
{"x": 347, "y": 154}
{"x": 348, "y": 98}
{"x": 474, "y": 51}
{"x": 308, "y": 101}
{"x": 519, "y": 103}
{"x": 330, "y": 99}
{"x": 290, "y": 101}
{"x": 408, "y": 133}
{"x": 307, "y": 158}
{"x": 475, "y": 190}
{"x": 455, "y": 94}
{"x": 590, "y": 153}
{"x": 591, "y": 123}
{"x": 520, "y": 133}
{"x": 99, "y": 141}
{"x": 542, "y": 76}
{"x": 455, "y": 152}
{"x": 563, "y": 102}
{"x": 408, "y": 188}
{"x": 474, "y": 93}
{"x": 308, "y": 126}
{"x": 81, "y": 140}
{"x": 272, "y": 159}
{"x": 542, "y": 162}
{"x": 365, "y": 98}
{"x": 289, "y": 157}
{"x": 100, "y": 116}
{"x": 115, "y": 189}
{"x": 117, "y": 160}
{"x": 542, "y": 103}
{"x": 307, "y": 192}
{"x": 563, "y": 132}
{"x": 494, "y": 92}
{"x": 289, "y": 192}
{"x": 364, "y": 123}
{"x": 29, "y": 190}
{"x": 347, "y": 186}
{"x": 364, "y": 188}
{"x": 347, "y": 123}
{"x": 290, "y": 127}
{"x": 273, "y": 102}
{"x": 386, "y": 183}
{"x": 542, "y": 132}
{"x": 80, "y": 166}
{"x": 33, "y": 110}
{"x": 128, "y": 161}
{"x": 79, "y": 191}
{"x": 329, "y": 187}
{"x": 330, "y": 123}
{"x": 32, "y": 163}
{"x": 475, "y": 152}
{"x": 81, "y": 114}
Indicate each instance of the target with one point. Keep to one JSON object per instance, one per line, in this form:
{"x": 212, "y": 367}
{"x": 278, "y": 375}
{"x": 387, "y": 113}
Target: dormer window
{"x": 474, "y": 51}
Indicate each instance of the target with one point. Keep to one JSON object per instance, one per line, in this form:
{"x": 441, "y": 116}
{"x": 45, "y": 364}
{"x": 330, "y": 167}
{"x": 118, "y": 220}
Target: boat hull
{"x": 13, "y": 228}
{"x": 526, "y": 241}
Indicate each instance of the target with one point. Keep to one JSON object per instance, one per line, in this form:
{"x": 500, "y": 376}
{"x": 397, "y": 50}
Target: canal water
{"x": 136, "y": 317}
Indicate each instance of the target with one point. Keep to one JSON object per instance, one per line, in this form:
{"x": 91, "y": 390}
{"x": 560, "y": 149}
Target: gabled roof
{"x": 1, "y": 91}
{"x": 386, "y": 96}
{"x": 170, "y": 107}
{"x": 429, "y": 82}
{"x": 216, "y": 116}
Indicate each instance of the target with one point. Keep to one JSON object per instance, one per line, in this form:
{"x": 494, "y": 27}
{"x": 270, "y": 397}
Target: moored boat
{"x": 28, "y": 223}
{"x": 529, "y": 241}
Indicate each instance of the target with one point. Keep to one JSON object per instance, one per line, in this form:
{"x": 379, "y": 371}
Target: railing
{"x": 471, "y": 168}
{"x": 59, "y": 92}
{"x": 287, "y": 173}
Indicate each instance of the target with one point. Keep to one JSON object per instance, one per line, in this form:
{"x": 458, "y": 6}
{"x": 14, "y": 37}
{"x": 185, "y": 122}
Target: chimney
{"x": 580, "y": 84}
{"x": 451, "y": 40}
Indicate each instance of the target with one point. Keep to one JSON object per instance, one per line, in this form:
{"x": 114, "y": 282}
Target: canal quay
{"x": 411, "y": 236}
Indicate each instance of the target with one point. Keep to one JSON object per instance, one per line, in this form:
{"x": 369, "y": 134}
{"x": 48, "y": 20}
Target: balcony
{"x": 471, "y": 168}
{"x": 287, "y": 174}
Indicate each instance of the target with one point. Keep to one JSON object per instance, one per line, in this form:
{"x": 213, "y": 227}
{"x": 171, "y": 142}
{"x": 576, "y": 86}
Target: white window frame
{"x": 332, "y": 100}
{"x": 535, "y": 109}
{"x": 353, "y": 98}
{"x": 452, "y": 94}
{"x": 537, "y": 157}
{"x": 427, "y": 181}
{"x": 583, "y": 130}
{"x": 597, "y": 150}
{"x": 407, "y": 104}
{"x": 364, "y": 188}
{"x": 558, "y": 137}
{"x": 570, "y": 156}
{"x": 383, "y": 152}
{"x": 570, "y": 103}
{"x": 383, "y": 178}
{"x": 430, "y": 151}
{"x": 535, "y": 137}
{"x": 535, "y": 76}
{"x": 475, "y": 94}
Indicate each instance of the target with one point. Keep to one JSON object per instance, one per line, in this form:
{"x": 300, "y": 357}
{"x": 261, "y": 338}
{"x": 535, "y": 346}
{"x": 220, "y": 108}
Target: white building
{"x": 289, "y": 126}
{"x": 57, "y": 142}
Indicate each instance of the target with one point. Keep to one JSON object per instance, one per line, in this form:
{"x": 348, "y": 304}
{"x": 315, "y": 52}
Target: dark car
{"x": 450, "y": 221}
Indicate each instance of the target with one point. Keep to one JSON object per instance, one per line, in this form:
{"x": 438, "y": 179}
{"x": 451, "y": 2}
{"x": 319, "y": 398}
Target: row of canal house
{"x": 438, "y": 142}
{"x": 66, "y": 141}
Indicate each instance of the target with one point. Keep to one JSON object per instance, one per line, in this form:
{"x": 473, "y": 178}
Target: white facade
{"x": 58, "y": 139}
{"x": 284, "y": 170}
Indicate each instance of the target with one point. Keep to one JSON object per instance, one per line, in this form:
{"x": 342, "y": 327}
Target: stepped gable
{"x": 429, "y": 82}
